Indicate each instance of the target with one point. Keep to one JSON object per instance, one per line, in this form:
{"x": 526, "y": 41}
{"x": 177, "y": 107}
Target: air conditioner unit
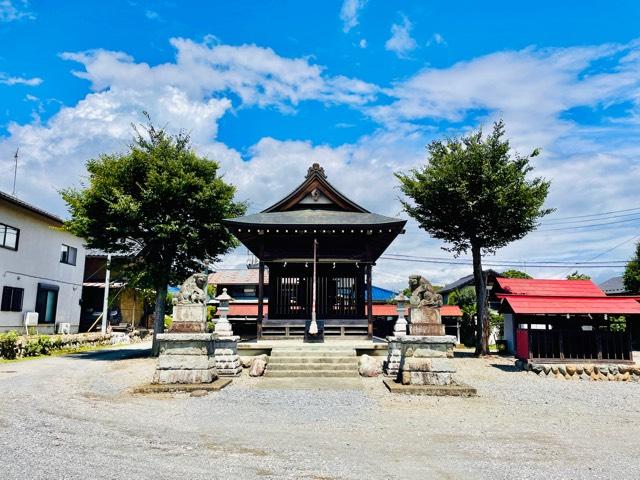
{"x": 30, "y": 320}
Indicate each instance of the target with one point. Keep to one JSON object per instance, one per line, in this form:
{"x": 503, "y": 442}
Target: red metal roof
{"x": 379, "y": 310}
{"x": 553, "y": 304}
{"x": 553, "y": 288}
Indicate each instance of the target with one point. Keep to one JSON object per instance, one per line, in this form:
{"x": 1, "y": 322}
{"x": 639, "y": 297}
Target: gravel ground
{"x": 75, "y": 417}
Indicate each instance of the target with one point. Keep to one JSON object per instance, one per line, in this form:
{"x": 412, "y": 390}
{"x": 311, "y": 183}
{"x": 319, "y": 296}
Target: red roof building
{"x": 566, "y": 320}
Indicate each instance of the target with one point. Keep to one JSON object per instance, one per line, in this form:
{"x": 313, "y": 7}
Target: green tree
{"x": 161, "y": 204}
{"x": 631, "y": 277}
{"x": 578, "y": 276}
{"x": 475, "y": 195}
{"x": 515, "y": 274}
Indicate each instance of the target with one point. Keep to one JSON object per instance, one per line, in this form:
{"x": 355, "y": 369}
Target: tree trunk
{"x": 158, "y": 317}
{"x": 482, "y": 323}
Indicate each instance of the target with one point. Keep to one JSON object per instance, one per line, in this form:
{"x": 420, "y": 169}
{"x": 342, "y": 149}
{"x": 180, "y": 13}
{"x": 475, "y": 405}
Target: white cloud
{"x": 349, "y": 13}
{"x": 436, "y": 39}
{"x": 592, "y": 168}
{"x": 257, "y": 75}
{"x": 152, "y": 15}
{"x": 362, "y": 43}
{"x": 10, "y": 80}
{"x": 12, "y": 10}
{"x": 401, "y": 42}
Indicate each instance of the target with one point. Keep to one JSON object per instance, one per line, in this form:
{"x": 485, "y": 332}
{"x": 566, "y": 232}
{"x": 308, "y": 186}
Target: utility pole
{"x": 15, "y": 172}
{"x": 105, "y": 300}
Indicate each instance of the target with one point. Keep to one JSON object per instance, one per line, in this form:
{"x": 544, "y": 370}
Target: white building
{"x": 41, "y": 268}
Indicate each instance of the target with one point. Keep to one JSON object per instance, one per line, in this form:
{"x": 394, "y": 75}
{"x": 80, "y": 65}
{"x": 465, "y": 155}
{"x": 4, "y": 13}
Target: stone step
{"x": 315, "y": 353}
{"x": 311, "y": 373}
{"x": 351, "y": 367}
{"x": 313, "y": 359}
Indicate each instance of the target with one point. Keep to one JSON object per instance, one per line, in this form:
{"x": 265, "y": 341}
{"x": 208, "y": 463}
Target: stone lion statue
{"x": 193, "y": 290}
{"x": 422, "y": 293}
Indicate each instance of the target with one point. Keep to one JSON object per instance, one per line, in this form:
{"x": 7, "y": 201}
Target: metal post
{"x": 369, "y": 303}
{"x": 260, "y": 298}
{"x": 313, "y": 327}
{"x": 105, "y": 300}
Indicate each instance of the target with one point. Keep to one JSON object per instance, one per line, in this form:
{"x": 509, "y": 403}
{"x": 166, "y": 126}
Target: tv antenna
{"x": 15, "y": 172}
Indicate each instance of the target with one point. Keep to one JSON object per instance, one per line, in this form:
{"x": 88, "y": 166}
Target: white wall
{"x": 37, "y": 260}
{"x": 508, "y": 332}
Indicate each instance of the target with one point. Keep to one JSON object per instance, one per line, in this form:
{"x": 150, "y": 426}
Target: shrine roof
{"x": 314, "y": 217}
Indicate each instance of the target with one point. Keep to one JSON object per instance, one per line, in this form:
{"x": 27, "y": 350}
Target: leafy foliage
{"x": 161, "y": 202}
{"x": 474, "y": 192}
{"x": 631, "y": 277}
{"x": 9, "y": 345}
{"x": 515, "y": 274}
{"x": 475, "y": 195}
{"x": 578, "y": 276}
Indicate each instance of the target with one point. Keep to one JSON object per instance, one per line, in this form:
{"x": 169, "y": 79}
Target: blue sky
{"x": 268, "y": 87}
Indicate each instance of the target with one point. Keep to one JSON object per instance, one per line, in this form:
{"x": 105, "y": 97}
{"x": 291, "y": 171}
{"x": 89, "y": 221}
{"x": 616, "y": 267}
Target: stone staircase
{"x": 316, "y": 360}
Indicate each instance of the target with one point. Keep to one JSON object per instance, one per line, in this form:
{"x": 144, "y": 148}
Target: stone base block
{"x": 214, "y": 386}
{"x": 427, "y": 378}
{"x": 229, "y": 372}
{"x": 185, "y": 376}
{"x": 186, "y": 362}
{"x": 426, "y": 329}
{"x": 437, "y": 390}
{"x": 189, "y": 318}
{"x": 417, "y": 365}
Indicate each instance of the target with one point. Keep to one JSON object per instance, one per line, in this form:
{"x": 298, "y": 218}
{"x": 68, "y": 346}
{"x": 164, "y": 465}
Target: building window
{"x": 9, "y": 237}
{"x": 68, "y": 255}
{"x": 12, "y": 299}
{"x": 47, "y": 303}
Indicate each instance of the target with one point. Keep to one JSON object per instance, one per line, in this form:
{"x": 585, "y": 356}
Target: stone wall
{"x": 573, "y": 371}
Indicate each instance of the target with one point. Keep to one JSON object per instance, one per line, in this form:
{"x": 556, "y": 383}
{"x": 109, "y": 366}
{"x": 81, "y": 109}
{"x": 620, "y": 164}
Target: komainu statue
{"x": 422, "y": 293}
{"x": 193, "y": 290}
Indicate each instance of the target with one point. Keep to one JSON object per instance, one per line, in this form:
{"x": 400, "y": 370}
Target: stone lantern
{"x": 223, "y": 327}
{"x": 400, "y": 328}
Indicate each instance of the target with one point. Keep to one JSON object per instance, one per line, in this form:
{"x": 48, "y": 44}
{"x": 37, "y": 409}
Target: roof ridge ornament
{"x": 316, "y": 169}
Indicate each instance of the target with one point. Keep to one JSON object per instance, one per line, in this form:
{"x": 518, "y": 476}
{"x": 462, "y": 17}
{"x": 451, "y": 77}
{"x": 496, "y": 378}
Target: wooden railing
{"x": 576, "y": 345}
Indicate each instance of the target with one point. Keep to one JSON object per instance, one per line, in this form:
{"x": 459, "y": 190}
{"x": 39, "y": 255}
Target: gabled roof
{"x": 464, "y": 282}
{"x": 310, "y": 217}
{"x": 554, "y": 288}
{"x": 315, "y": 187}
{"x": 613, "y": 286}
{"x": 548, "y": 304}
{"x": 15, "y": 201}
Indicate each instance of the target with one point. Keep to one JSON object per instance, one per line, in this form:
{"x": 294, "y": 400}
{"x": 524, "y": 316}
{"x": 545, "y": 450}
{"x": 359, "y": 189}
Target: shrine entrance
{"x": 319, "y": 247}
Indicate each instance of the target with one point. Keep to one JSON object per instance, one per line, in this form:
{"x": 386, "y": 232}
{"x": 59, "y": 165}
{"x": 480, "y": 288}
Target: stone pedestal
{"x": 391, "y": 366}
{"x": 425, "y": 321}
{"x": 227, "y": 360}
{"x": 425, "y": 360}
{"x": 185, "y": 358}
{"x": 189, "y": 318}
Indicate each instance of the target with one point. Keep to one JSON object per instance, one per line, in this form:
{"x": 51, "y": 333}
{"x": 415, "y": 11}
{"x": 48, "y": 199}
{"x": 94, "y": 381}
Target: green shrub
{"x": 45, "y": 344}
{"x": 9, "y": 344}
{"x": 211, "y": 327}
{"x": 33, "y": 348}
{"x": 211, "y": 311}
{"x": 167, "y": 322}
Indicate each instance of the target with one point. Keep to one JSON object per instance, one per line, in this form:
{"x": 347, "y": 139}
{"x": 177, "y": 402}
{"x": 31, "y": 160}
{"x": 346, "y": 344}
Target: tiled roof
{"x": 240, "y": 276}
{"x": 554, "y": 288}
{"x": 464, "y": 282}
{"x": 313, "y": 217}
{"x": 613, "y": 286}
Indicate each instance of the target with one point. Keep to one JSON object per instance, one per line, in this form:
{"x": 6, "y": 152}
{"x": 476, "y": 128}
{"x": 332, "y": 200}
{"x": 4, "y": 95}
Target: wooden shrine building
{"x": 318, "y": 245}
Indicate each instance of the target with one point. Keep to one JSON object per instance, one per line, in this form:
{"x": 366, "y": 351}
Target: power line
{"x": 597, "y": 214}
{"x": 563, "y": 222}
{"x": 464, "y": 261}
{"x": 586, "y": 226}
{"x": 505, "y": 264}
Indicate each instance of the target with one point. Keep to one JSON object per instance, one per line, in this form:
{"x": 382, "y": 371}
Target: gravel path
{"x": 74, "y": 417}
